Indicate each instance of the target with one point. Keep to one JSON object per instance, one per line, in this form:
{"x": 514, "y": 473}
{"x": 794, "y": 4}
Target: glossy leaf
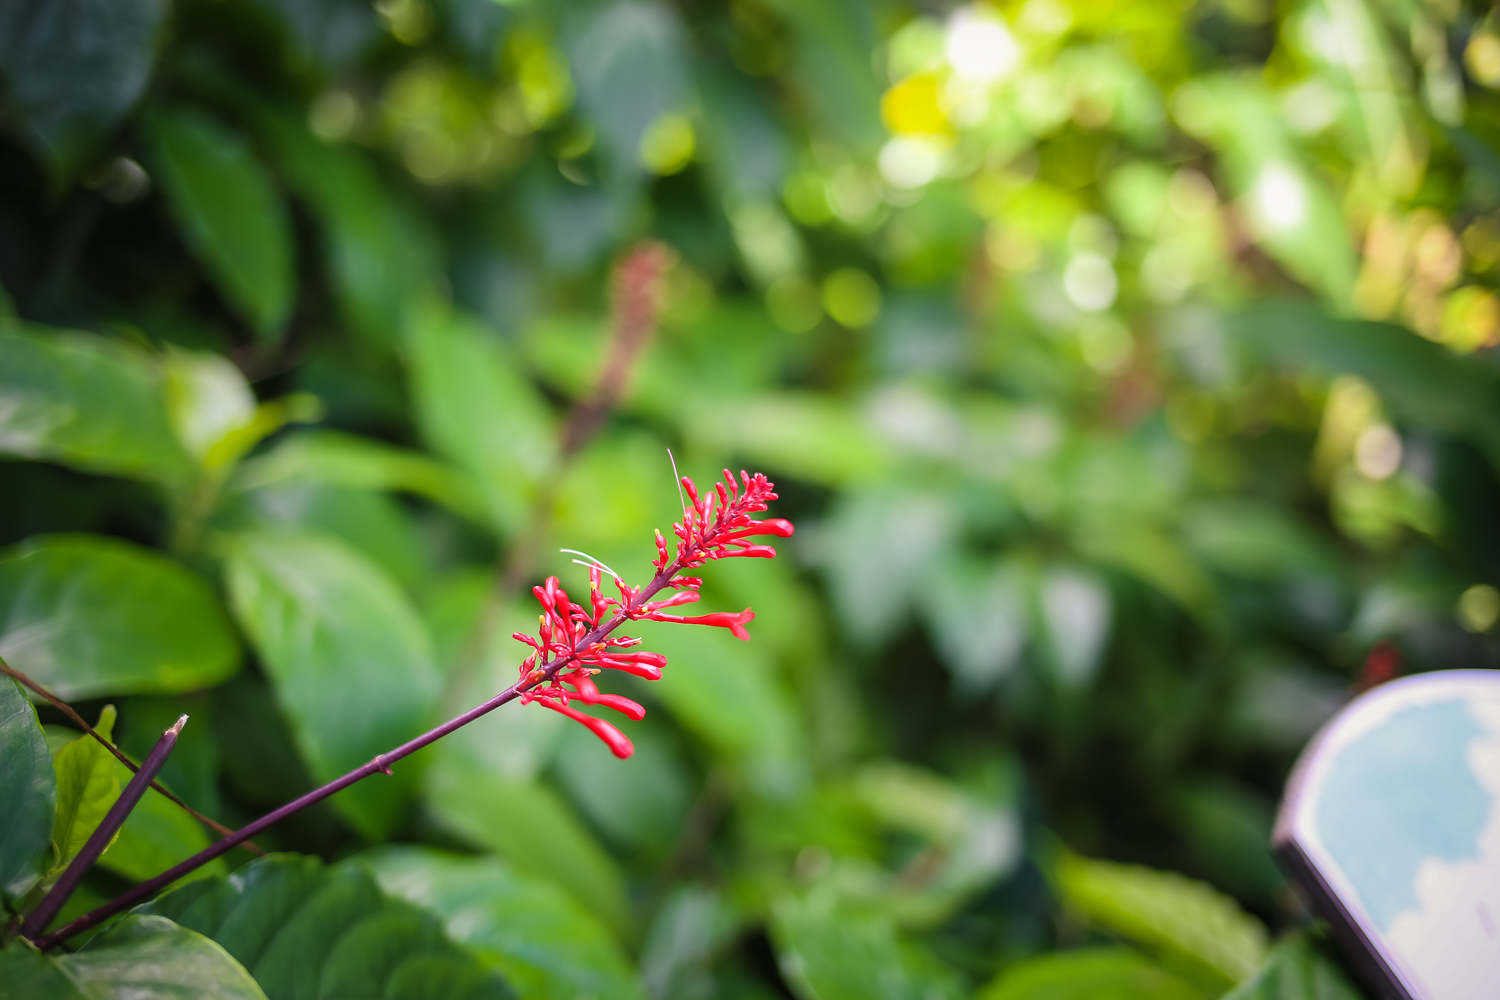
{"x": 330, "y": 458}
{"x": 87, "y": 402}
{"x": 1089, "y": 974}
{"x": 28, "y": 787}
{"x": 474, "y": 406}
{"x": 1186, "y": 920}
{"x": 829, "y": 954}
{"x": 87, "y": 615}
{"x": 229, "y": 215}
{"x": 75, "y": 68}
{"x": 1302, "y": 967}
{"x": 87, "y": 786}
{"x": 302, "y": 928}
{"x": 545, "y": 942}
{"x": 531, "y": 827}
{"x": 141, "y": 958}
{"x": 351, "y": 661}
{"x": 373, "y": 524}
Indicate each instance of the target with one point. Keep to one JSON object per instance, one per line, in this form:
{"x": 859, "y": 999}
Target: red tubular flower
{"x": 573, "y": 642}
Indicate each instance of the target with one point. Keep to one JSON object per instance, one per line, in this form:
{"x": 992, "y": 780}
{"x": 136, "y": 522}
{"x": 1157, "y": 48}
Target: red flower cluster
{"x": 573, "y": 643}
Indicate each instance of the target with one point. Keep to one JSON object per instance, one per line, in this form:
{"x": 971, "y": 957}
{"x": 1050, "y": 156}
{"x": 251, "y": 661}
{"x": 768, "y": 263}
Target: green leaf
{"x": 330, "y": 458}
{"x": 352, "y": 663}
{"x": 87, "y": 402}
{"x": 141, "y": 958}
{"x": 86, "y": 788}
{"x": 374, "y": 524}
{"x": 304, "y": 929}
{"x": 1302, "y": 967}
{"x": 474, "y": 406}
{"x": 830, "y": 954}
{"x": 531, "y": 827}
{"x": 157, "y": 834}
{"x": 229, "y": 214}
{"x": 74, "y": 69}
{"x": 546, "y": 943}
{"x": 1089, "y": 974}
{"x": 87, "y": 615}
{"x": 28, "y": 787}
{"x": 1187, "y": 921}
{"x": 381, "y": 254}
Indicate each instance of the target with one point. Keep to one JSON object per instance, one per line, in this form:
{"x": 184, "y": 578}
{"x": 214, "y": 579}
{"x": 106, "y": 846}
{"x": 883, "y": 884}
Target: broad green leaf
{"x": 230, "y": 215}
{"x": 28, "y": 787}
{"x": 87, "y": 402}
{"x": 1187, "y": 921}
{"x": 74, "y": 69}
{"x": 547, "y": 944}
{"x": 1089, "y": 974}
{"x": 531, "y": 827}
{"x": 215, "y": 413}
{"x": 86, "y": 787}
{"x": 1301, "y": 967}
{"x": 809, "y": 436}
{"x": 330, "y": 458}
{"x": 157, "y": 834}
{"x": 305, "y": 929}
{"x": 631, "y": 64}
{"x": 381, "y": 254}
{"x": 374, "y": 524}
{"x": 830, "y": 954}
{"x": 87, "y": 615}
{"x": 351, "y": 661}
{"x": 475, "y": 406}
{"x": 639, "y": 803}
{"x": 140, "y": 958}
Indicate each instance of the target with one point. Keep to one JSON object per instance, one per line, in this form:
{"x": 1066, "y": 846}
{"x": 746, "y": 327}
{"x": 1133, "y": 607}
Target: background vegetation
{"x": 1125, "y": 366}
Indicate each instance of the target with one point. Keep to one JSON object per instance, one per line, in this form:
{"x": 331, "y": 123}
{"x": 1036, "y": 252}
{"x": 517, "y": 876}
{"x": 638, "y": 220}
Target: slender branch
{"x": 382, "y": 762}
{"x": 68, "y": 710}
{"x": 38, "y": 919}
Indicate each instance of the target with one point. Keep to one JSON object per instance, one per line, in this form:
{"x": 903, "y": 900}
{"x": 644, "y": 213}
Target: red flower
{"x": 573, "y": 642}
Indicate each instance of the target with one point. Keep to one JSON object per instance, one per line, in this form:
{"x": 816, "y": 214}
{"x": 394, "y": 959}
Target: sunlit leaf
{"x": 141, "y": 958}
{"x": 352, "y": 663}
{"x": 1301, "y": 967}
{"x": 1087, "y": 974}
{"x": 230, "y": 216}
{"x": 1187, "y": 921}
{"x": 86, "y": 788}
{"x": 28, "y": 787}
{"x": 87, "y": 402}
{"x": 546, "y": 943}
{"x": 299, "y": 926}
{"x": 75, "y": 69}
{"x": 88, "y": 615}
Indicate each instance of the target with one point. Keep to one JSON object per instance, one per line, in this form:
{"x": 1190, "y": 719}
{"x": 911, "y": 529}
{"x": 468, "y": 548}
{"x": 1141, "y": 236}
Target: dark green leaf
{"x": 546, "y": 943}
{"x": 28, "y": 787}
{"x": 88, "y": 402}
{"x": 86, "y": 788}
{"x": 352, "y": 662}
{"x": 532, "y": 827}
{"x": 830, "y": 954}
{"x": 157, "y": 834}
{"x": 87, "y": 615}
{"x": 380, "y": 252}
{"x": 1187, "y": 921}
{"x": 1302, "y": 967}
{"x": 303, "y": 929}
{"x": 75, "y": 68}
{"x": 229, "y": 214}
{"x": 1089, "y": 974}
{"x": 141, "y": 958}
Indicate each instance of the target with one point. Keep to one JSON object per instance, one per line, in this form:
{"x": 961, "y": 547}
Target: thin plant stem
{"x": 68, "y": 710}
{"x": 38, "y": 919}
{"x": 380, "y": 765}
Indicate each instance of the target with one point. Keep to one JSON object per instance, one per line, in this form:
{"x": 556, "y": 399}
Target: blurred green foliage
{"x": 1127, "y": 367}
